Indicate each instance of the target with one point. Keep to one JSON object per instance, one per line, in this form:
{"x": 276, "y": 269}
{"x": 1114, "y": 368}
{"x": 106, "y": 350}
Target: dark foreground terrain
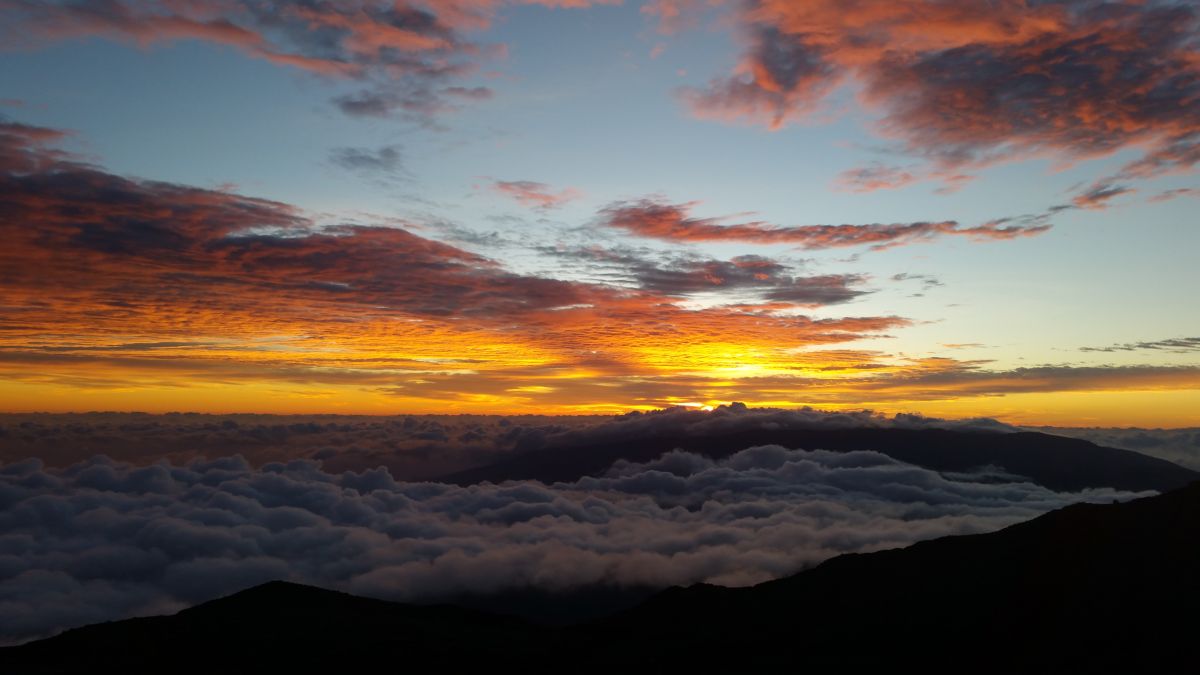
{"x": 1110, "y": 588}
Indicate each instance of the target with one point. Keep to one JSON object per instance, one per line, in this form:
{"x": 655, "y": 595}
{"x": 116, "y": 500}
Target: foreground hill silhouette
{"x": 1108, "y": 588}
{"x": 1052, "y": 461}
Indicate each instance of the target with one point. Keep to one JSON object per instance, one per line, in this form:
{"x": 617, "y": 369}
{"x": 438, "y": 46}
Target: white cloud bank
{"x": 101, "y": 540}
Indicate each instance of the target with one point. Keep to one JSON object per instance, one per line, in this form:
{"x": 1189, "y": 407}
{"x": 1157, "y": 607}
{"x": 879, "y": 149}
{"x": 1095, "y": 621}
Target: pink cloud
{"x": 535, "y": 195}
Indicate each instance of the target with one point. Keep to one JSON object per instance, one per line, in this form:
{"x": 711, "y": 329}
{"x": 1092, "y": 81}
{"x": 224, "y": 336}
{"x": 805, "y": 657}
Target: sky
{"x": 561, "y": 206}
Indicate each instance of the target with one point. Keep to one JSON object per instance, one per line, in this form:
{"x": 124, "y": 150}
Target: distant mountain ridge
{"x": 1055, "y": 462}
{"x": 1086, "y": 588}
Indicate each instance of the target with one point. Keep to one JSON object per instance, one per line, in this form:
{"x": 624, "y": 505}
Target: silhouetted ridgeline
{"x": 1086, "y": 588}
{"x": 1052, "y": 461}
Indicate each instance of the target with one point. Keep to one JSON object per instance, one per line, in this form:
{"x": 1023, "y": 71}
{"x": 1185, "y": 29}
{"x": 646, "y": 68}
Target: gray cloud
{"x": 386, "y": 160}
{"x": 102, "y": 540}
{"x": 1179, "y": 345}
{"x": 752, "y": 278}
{"x": 409, "y": 60}
{"x": 412, "y": 447}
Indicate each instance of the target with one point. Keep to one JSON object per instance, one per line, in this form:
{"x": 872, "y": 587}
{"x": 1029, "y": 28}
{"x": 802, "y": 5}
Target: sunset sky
{"x": 957, "y": 208}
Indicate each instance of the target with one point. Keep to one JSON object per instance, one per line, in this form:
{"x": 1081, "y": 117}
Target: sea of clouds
{"x": 100, "y": 539}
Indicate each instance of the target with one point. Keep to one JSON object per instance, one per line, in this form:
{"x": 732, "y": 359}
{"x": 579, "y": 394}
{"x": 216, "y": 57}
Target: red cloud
{"x": 650, "y": 218}
{"x": 965, "y": 83}
{"x": 535, "y": 195}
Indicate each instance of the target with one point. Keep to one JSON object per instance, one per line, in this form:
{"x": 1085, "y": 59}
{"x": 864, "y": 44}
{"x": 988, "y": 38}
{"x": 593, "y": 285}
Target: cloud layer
{"x": 148, "y": 286}
{"x": 100, "y": 540}
{"x": 171, "y": 279}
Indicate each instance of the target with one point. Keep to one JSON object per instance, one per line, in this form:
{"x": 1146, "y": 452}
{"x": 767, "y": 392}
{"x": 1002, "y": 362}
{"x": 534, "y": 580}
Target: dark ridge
{"x": 1087, "y": 588}
{"x": 1055, "y": 462}
{"x": 1090, "y": 587}
{"x": 280, "y": 626}
{"x": 556, "y": 608}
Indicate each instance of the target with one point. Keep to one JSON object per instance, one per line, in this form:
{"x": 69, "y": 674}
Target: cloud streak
{"x": 1179, "y": 345}
{"x": 535, "y": 195}
{"x": 660, "y": 219}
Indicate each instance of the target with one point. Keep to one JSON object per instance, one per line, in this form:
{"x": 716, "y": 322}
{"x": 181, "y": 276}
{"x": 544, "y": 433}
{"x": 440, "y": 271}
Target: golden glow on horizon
{"x": 1141, "y": 407}
{"x": 383, "y": 366}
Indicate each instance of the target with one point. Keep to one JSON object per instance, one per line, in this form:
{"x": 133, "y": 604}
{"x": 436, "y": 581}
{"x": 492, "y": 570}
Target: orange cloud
{"x": 1098, "y": 196}
{"x": 967, "y": 83}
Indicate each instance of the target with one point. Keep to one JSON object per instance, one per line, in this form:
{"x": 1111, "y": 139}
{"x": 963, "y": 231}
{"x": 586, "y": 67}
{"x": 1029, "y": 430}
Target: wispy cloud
{"x": 535, "y": 195}
{"x": 408, "y": 58}
{"x": 1185, "y": 344}
{"x": 660, "y": 219}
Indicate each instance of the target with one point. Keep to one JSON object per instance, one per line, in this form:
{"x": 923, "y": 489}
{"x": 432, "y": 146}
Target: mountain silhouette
{"x": 1090, "y": 587}
{"x": 1052, "y": 461}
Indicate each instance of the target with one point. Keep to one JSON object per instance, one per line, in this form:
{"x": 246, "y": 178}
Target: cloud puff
{"x": 659, "y": 219}
{"x": 535, "y": 195}
{"x": 874, "y": 177}
{"x": 386, "y": 159}
{"x": 967, "y": 83}
{"x": 100, "y": 540}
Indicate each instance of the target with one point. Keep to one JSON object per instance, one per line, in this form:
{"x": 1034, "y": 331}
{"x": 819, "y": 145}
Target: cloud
{"x": 969, "y": 83}
{"x": 957, "y": 379}
{"x": 258, "y": 287}
{"x": 673, "y": 222}
{"x": 405, "y": 54}
{"x": 385, "y": 160}
{"x": 1178, "y": 345}
{"x": 927, "y": 281}
{"x": 535, "y": 195}
{"x": 748, "y": 278}
{"x": 1168, "y": 195}
{"x": 874, "y": 177}
{"x": 681, "y": 422}
{"x": 675, "y": 15}
{"x": 412, "y": 447}
{"x": 101, "y": 540}
{"x": 1098, "y": 196}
